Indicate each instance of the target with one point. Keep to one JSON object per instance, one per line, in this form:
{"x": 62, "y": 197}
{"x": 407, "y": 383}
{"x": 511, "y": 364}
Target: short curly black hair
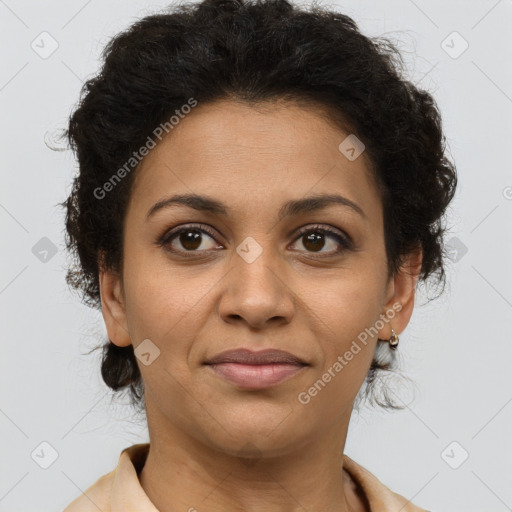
{"x": 255, "y": 52}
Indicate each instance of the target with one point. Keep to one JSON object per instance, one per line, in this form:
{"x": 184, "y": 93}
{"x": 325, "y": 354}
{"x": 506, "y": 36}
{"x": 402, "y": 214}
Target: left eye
{"x": 313, "y": 239}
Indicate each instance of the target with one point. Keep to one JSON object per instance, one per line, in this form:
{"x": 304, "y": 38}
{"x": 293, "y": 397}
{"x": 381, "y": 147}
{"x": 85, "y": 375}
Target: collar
{"x": 380, "y": 497}
{"x": 127, "y": 493}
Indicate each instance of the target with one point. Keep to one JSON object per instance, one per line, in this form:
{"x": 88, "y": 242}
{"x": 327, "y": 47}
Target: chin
{"x": 248, "y": 437}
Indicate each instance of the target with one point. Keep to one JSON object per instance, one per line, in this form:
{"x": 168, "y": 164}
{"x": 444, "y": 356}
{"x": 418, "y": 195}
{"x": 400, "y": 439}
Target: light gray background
{"x": 457, "y": 349}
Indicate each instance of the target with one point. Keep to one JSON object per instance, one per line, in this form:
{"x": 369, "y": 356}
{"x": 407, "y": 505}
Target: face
{"x": 251, "y": 273}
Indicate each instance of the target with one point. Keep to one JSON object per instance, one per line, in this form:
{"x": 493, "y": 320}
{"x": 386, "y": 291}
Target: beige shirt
{"x": 120, "y": 490}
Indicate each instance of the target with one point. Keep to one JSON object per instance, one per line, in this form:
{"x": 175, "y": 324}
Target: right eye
{"x": 191, "y": 239}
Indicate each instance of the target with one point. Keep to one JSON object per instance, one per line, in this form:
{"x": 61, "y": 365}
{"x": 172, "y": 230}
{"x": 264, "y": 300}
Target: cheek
{"x": 349, "y": 309}
{"x": 154, "y": 303}
{"x": 167, "y": 307}
{"x": 351, "y": 300}
{"x": 347, "y": 346}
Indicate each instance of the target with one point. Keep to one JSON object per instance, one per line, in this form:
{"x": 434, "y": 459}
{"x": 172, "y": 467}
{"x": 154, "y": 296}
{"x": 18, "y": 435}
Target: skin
{"x": 204, "y": 430}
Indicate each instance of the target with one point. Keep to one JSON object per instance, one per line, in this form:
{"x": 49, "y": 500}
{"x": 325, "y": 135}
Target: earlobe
{"x": 113, "y": 308}
{"x": 402, "y": 300}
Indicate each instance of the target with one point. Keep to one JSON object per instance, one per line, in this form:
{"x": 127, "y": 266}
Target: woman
{"x": 259, "y": 193}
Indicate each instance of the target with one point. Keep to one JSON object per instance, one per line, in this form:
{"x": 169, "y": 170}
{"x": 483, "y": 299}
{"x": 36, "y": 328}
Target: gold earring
{"x": 393, "y": 341}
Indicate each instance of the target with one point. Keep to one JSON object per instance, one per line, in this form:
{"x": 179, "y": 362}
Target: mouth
{"x": 256, "y": 370}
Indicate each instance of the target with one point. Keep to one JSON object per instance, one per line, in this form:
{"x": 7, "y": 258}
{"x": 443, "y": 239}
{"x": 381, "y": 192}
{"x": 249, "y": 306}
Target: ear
{"x": 400, "y": 295}
{"x": 113, "y": 307}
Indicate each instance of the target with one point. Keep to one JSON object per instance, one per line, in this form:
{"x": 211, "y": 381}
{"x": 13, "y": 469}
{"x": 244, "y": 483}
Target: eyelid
{"x": 325, "y": 228}
{"x": 168, "y": 235}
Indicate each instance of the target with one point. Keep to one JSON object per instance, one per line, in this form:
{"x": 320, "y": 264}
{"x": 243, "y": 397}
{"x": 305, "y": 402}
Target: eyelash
{"x": 344, "y": 240}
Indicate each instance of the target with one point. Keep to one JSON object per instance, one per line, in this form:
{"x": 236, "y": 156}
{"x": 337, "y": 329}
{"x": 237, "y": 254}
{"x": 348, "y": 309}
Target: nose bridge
{"x": 258, "y": 264}
{"x": 256, "y": 289}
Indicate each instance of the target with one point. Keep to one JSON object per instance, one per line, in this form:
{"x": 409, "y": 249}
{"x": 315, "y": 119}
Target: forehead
{"x": 253, "y": 155}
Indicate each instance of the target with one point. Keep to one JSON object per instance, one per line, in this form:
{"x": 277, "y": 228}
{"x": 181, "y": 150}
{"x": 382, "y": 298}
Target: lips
{"x": 245, "y": 356}
{"x": 256, "y": 370}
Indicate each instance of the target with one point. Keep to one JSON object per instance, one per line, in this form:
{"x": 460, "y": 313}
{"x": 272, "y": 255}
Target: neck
{"x": 183, "y": 473}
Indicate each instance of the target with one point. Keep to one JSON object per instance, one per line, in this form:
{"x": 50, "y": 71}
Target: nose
{"x": 256, "y": 293}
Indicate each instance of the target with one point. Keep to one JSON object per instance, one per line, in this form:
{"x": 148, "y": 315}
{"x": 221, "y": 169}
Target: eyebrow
{"x": 290, "y": 208}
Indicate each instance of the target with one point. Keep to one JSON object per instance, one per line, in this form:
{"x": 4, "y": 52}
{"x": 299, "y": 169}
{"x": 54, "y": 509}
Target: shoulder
{"x": 380, "y": 497}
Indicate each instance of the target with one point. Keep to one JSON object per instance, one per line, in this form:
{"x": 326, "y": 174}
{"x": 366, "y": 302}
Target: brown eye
{"x": 316, "y": 238}
{"x": 190, "y": 239}
{"x": 313, "y": 241}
